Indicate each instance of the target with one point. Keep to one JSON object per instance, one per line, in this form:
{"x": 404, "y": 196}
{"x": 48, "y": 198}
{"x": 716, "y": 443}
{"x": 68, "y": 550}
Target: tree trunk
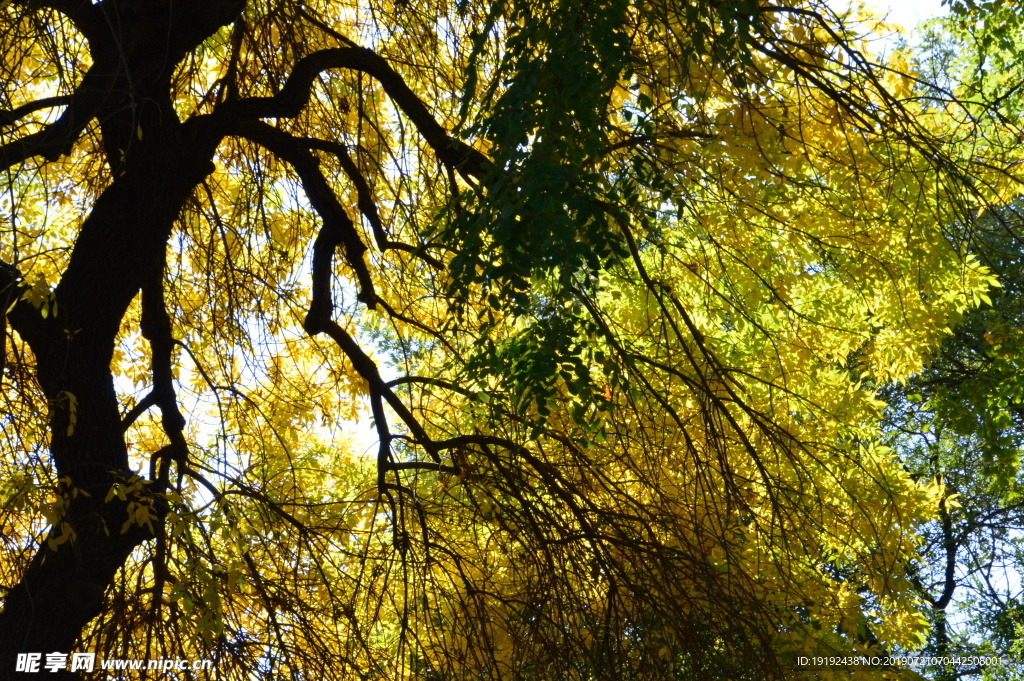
{"x": 157, "y": 161}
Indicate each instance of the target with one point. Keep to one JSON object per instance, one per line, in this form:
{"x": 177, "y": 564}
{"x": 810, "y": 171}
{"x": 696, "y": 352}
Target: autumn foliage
{"x": 612, "y": 285}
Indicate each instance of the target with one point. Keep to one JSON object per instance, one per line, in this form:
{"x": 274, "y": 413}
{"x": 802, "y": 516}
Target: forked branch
{"x": 295, "y": 94}
{"x": 365, "y": 202}
{"x": 319, "y": 320}
{"x": 337, "y": 226}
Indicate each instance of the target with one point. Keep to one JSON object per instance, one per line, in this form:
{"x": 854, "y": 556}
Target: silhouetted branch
{"x": 295, "y": 94}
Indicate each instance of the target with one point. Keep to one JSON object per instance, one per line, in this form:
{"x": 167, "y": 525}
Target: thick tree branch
{"x": 380, "y": 422}
{"x": 949, "y": 546}
{"x": 58, "y": 138}
{"x": 13, "y": 115}
{"x": 296, "y": 92}
{"x": 422, "y": 466}
{"x": 337, "y": 226}
{"x": 84, "y": 14}
{"x": 435, "y": 382}
{"x": 367, "y": 369}
{"x": 229, "y": 83}
{"x": 138, "y": 410}
{"x": 319, "y": 320}
{"x": 364, "y": 200}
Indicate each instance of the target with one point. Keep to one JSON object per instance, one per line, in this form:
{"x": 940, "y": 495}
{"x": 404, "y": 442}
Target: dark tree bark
{"x": 157, "y": 161}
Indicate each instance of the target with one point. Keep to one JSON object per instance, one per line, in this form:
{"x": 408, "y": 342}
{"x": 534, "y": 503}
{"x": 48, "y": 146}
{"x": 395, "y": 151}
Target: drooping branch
{"x": 337, "y": 226}
{"x": 703, "y": 355}
{"x": 319, "y": 320}
{"x": 364, "y": 200}
{"x": 367, "y": 370}
{"x": 156, "y": 328}
{"x": 295, "y": 94}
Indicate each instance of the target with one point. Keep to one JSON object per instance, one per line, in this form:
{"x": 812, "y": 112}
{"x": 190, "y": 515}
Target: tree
{"x": 635, "y": 265}
{"x": 959, "y": 420}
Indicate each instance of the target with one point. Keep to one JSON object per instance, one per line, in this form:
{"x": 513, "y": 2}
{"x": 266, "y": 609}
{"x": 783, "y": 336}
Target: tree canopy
{"x": 616, "y": 283}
